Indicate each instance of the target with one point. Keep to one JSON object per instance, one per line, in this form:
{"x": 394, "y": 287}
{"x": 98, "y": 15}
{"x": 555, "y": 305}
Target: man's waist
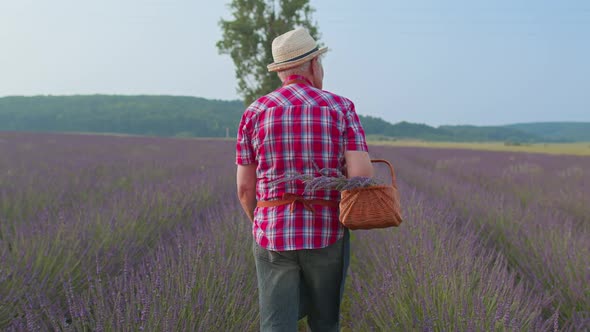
{"x": 294, "y": 200}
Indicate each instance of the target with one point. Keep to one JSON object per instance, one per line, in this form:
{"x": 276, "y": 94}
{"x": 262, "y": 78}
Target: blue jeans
{"x": 295, "y": 284}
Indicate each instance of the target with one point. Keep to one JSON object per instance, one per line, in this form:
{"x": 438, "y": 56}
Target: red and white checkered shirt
{"x": 285, "y": 133}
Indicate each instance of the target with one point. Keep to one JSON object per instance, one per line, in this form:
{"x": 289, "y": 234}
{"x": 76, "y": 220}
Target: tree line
{"x": 200, "y": 117}
{"x": 139, "y": 115}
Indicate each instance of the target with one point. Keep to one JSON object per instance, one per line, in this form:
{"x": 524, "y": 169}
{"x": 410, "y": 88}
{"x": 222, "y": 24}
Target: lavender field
{"x": 105, "y": 233}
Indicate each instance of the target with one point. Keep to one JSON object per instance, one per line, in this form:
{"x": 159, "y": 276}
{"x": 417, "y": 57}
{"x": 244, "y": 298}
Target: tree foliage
{"x": 248, "y": 36}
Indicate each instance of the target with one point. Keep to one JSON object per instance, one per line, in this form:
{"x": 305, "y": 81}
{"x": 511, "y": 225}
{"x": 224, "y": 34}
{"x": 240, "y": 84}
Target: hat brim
{"x": 290, "y": 64}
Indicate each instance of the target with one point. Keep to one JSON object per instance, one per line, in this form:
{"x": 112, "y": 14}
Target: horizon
{"x": 369, "y": 115}
{"x": 463, "y": 62}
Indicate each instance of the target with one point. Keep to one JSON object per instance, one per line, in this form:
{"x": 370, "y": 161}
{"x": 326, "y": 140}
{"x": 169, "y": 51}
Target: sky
{"x": 479, "y": 62}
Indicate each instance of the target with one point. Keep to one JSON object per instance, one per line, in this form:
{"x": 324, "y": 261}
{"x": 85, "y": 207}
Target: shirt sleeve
{"x": 244, "y": 149}
{"x": 355, "y": 134}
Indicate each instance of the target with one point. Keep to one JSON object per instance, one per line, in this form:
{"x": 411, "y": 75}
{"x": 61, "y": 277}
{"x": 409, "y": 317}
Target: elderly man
{"x": 301, "y": 249}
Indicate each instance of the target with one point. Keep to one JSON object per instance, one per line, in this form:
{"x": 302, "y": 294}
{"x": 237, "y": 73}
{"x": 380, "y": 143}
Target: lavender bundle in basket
{"x": 329, "y": 179}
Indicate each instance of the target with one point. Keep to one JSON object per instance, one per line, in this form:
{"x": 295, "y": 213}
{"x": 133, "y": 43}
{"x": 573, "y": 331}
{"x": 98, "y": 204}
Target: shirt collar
{"x": 300, "y": 78}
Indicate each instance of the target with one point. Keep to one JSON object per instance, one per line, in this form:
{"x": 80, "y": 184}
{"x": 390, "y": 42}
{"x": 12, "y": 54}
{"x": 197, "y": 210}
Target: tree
{"x": 248, "y": 37}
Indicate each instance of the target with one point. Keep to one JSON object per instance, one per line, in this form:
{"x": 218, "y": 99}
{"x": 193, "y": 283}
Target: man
{"x": 301, "y": 249}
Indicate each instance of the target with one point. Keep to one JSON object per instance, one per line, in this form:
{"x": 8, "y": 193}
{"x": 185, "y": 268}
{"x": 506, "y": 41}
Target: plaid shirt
{"x": 285, "y": 133}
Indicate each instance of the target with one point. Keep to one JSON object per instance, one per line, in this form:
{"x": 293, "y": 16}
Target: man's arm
{"x": 358, "y": 163}
{"x": 246, "y": 181}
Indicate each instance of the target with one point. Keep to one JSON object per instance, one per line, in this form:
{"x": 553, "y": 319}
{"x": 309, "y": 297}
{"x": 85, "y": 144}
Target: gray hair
{"x": 299, "y": 70}
{"x": 302, "y": 69}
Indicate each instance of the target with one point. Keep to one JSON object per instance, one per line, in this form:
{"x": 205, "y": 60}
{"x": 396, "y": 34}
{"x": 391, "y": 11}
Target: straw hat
{"x": 293, "y": 48}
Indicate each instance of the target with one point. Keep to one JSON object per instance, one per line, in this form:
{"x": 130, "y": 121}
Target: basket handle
{"x": 390, "y": 169}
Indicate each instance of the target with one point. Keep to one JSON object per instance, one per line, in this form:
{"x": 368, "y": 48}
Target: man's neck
{"x": 302, "y": 79}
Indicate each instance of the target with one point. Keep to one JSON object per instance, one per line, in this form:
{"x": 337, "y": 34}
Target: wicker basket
{"x": 371, "y": 207}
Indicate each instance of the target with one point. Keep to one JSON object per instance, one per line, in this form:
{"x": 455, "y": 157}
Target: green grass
{"x": 579, "y": 148}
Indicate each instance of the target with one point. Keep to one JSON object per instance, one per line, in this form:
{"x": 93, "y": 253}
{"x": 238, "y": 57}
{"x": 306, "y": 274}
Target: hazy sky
{"x": 426, "y": 61}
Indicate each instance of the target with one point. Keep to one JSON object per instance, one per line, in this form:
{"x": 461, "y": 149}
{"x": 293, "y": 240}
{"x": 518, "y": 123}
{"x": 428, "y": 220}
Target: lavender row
{"x": 558, "y": 183}
{"x": 548, "y": 246}
{"x": 433, "y": 274}
{"x": 72, "y": 203}
{"x": 200, "y": 279}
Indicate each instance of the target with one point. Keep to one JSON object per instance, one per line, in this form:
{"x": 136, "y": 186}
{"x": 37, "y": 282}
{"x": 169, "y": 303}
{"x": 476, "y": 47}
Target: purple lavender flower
{"x": 329, "y": 179}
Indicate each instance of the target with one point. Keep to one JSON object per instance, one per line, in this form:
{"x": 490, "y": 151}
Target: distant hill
{"x": 491, "y": 133}
{"x": 380, "y": 128}
{"x": 141, "y": 115}
{"x": 199, "y": 117}
{"x": 569, "y": 131}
